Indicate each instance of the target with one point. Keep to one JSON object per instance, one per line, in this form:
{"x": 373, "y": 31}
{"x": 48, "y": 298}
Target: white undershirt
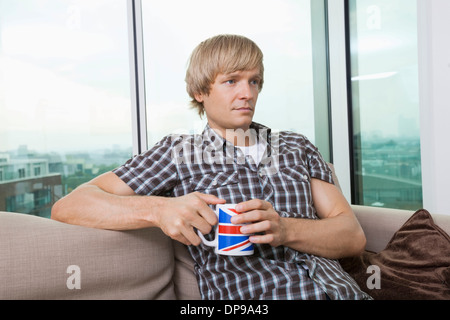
{"x": 255, "y": 151}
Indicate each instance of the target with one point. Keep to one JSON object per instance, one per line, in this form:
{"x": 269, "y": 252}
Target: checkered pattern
{"x": 207, "y": 163}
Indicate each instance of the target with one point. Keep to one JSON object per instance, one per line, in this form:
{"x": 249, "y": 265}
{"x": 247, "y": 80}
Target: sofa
{"x": 407, "y": 256}
{"x": 45, "y": 259}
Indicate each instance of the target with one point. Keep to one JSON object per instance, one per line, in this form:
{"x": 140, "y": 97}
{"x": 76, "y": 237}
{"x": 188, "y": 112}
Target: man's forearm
{"x": 332, "y": 238}
{"x": 90, "y": 206}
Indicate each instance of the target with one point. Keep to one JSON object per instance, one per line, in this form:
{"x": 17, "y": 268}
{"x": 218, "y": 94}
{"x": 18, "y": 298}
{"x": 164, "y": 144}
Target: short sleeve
{"x": 152, "y": 172}
{"x": 318, "y": 167}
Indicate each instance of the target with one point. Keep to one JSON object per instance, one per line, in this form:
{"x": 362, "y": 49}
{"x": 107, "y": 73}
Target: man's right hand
{"x": 178, "y": 217}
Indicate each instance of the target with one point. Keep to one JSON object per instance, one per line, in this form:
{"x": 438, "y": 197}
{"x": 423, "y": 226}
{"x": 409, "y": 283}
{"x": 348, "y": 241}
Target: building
{"x": 27, "y": 186}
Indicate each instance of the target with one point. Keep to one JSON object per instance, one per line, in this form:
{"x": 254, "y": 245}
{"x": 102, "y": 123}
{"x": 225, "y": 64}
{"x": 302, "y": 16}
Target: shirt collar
{"x": 212, "y": 137}
{"x": 262, "y": 132}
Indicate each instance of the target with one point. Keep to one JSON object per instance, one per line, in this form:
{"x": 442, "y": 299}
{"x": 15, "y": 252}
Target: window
{"x": 66, "y": 111}
{"x": 385, "y": 103}
{"x": 64, "y": 98}
{"x": 172, "y": 29}
{"x": 21, "y": 173}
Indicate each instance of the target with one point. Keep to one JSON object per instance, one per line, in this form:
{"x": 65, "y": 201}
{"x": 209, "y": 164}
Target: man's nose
{"x": 245, "y": 91}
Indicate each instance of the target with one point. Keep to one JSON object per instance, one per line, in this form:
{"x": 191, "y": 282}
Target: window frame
{"x": 322, "y": 103}
{"x": 329, "y": 52}
{"x": 137, "y": 77}
{"x": 339, "y": 94}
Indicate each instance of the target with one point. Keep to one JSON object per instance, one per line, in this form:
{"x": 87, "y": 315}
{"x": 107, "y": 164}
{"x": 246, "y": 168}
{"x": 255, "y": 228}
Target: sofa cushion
{"x": 46, "y": 259}
{"x": 185, "y": 282}
{"x": 414, "y": 265}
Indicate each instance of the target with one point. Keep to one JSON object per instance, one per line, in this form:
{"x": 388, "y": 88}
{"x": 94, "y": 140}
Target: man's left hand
{"x": 264, "y": 222}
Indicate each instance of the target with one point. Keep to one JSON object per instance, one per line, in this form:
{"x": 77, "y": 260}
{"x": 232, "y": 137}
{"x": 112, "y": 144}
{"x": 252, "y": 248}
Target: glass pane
{"x": 282, "y": 30}
{"x": 386, "y": 129}
{"x": 64, "y": 98}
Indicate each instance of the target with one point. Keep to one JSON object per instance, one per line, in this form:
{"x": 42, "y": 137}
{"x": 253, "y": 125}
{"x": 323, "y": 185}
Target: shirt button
{"x": 214, "y": 182}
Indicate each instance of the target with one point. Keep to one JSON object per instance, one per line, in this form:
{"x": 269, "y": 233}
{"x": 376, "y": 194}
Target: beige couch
{"x": 46, "y": 259}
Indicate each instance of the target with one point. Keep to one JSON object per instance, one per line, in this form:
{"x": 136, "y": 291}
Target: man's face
{"x": 232, "y": 100}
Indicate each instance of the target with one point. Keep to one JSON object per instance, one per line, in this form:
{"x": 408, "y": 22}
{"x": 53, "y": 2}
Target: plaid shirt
{"x": 207, "y": 163}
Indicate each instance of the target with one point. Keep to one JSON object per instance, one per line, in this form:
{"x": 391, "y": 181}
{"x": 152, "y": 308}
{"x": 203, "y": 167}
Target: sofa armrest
{"x": 380, "y": 224}
{"x": 35, "y": 254}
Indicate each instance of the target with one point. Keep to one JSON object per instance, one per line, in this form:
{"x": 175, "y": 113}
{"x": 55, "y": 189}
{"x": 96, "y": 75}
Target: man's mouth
{"x": 244, "y": 109}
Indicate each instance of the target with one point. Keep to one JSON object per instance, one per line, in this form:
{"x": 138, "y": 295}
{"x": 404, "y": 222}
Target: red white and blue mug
{"x": 228, "y": 238}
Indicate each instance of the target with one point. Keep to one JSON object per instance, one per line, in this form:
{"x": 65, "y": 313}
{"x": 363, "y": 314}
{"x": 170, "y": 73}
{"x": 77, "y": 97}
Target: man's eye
{"x": 230, "y": 81}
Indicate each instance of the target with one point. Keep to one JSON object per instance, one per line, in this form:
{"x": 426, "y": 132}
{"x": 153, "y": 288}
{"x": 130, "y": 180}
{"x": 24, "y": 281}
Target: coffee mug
{"x": 228, "y": 238}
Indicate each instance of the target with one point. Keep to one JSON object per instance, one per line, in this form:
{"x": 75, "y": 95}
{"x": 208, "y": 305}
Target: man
{"x": 298, "y": 219}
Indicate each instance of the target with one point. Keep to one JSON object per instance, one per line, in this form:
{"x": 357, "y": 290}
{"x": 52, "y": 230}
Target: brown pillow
{"x": 414, "y": 265}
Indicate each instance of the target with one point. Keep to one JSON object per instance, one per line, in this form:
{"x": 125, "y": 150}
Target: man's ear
{"x": 199, "y": 97}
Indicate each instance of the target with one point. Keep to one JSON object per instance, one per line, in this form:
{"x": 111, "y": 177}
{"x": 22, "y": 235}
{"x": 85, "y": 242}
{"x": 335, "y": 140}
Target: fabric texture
{"x": 207, "y": 163}
{"x": 414, "y": 265}
{"x": 186, "y": 286}
{"x": 36, "y": 255}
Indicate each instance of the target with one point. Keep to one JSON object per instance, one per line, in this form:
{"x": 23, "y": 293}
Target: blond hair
{"x": 220, "y": 54}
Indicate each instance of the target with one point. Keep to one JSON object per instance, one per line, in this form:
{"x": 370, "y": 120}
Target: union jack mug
{"x": 228, "y": 238}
